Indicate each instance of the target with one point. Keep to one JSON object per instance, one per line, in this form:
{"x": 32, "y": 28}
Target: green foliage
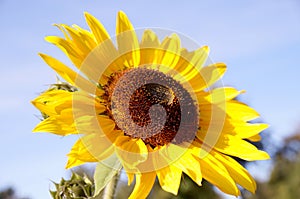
{"x": 9, "y": 193}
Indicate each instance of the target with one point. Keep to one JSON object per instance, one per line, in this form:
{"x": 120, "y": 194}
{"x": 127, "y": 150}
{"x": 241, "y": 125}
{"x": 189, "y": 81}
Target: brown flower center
{"x": 151, "y": 105}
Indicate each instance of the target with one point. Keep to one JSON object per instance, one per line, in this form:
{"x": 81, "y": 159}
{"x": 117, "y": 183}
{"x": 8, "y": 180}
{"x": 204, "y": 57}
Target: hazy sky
{"x": 258, "y": 40}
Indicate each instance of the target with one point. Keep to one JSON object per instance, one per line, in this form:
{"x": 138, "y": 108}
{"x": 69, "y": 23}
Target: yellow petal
{"x": 84, "y": 102}
{"x": 84, "y": 56}
{"x": 78, "y": 40}
{"x": 79, "y": 154}
{"x": 91, "y": 148}
{"x": 106, "y": 124}
{"x": 97, "y": 28}
{"x": 248, "y": 130}
{"x": 191, "y": 166}
{"x": 130, "y": 177}
{"x": 63, "y": 30}
{"x": 169, "y": 53}
{"x": 71, "y": 76}
{"x": 183, "y": 159}
{"x": 239, "y": 174}
{"x": 87, "y": 36}
{"x": 149, "y": 40}
{"x": 56, "y": 126}
{"x": 45, "y": 101}
{"x": 254, "y": 138}
{"x": 123, "y": 23}
{"x": 128, "y": 44}
{"x": 192, "y": 61}
{"x": 104, "y": 54}
{"x": 100, "y": 147}
{"x": 239, "y": 111}
{"x": 238, "y": 128}
{"x": 62, "y": 124}
{"x": 169, "y": 179}
{"x": 131, "y": 151}
{"x": 218, "y": 95}
{"x": 207, "y": 76}
{"x": 185, "y": 64}
{"x": 200, "y": 57}
{"x": 143, "y": 185}
{"x": 149, "y": 47}
{"x": 73, "y": 162}
{"x": 102, "y": 61}
{"x": 87, "y": 124}
{"x": 52, "y": 102}
{"x": 68, "y": 48}
{"x": 215, "y": 172}
{"x": 240, "y": 148}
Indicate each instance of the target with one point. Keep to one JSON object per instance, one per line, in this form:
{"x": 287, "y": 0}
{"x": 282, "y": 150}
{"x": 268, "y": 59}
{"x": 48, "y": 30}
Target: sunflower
{"x": 151, "y": 104}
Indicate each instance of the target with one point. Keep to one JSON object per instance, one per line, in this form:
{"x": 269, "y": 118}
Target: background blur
{"x": 258, "y": 40}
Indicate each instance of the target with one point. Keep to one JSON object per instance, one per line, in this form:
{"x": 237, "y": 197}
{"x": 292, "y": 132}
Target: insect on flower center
{"x": 151, "y": 105}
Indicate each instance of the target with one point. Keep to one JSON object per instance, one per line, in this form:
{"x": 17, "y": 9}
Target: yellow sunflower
{"x": 149, "y": 103}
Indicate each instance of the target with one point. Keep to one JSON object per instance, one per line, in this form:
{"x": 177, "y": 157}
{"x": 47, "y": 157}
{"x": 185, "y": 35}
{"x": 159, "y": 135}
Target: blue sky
{"x": 258, "y": 40}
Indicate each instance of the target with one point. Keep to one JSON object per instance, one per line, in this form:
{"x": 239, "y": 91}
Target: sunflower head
{"x": 150, "y": 103}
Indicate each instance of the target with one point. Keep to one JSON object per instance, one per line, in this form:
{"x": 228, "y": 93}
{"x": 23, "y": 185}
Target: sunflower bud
{"x": 79, "y": 187}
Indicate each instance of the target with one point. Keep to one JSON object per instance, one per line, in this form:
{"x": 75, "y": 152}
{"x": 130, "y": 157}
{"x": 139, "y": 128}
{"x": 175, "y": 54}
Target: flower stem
{"x": 110, "y": 189}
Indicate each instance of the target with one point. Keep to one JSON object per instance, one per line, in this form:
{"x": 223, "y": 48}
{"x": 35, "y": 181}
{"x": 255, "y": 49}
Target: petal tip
{"x": 206, "y": 49}
{"x": 88, "y": 15}
{"x": 121, "y": 13}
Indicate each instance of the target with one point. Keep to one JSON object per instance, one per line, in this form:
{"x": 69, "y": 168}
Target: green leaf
{"x": 105, "y": 171}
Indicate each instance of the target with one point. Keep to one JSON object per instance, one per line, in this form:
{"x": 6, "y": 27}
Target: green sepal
{"x": 105, "y": 171}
